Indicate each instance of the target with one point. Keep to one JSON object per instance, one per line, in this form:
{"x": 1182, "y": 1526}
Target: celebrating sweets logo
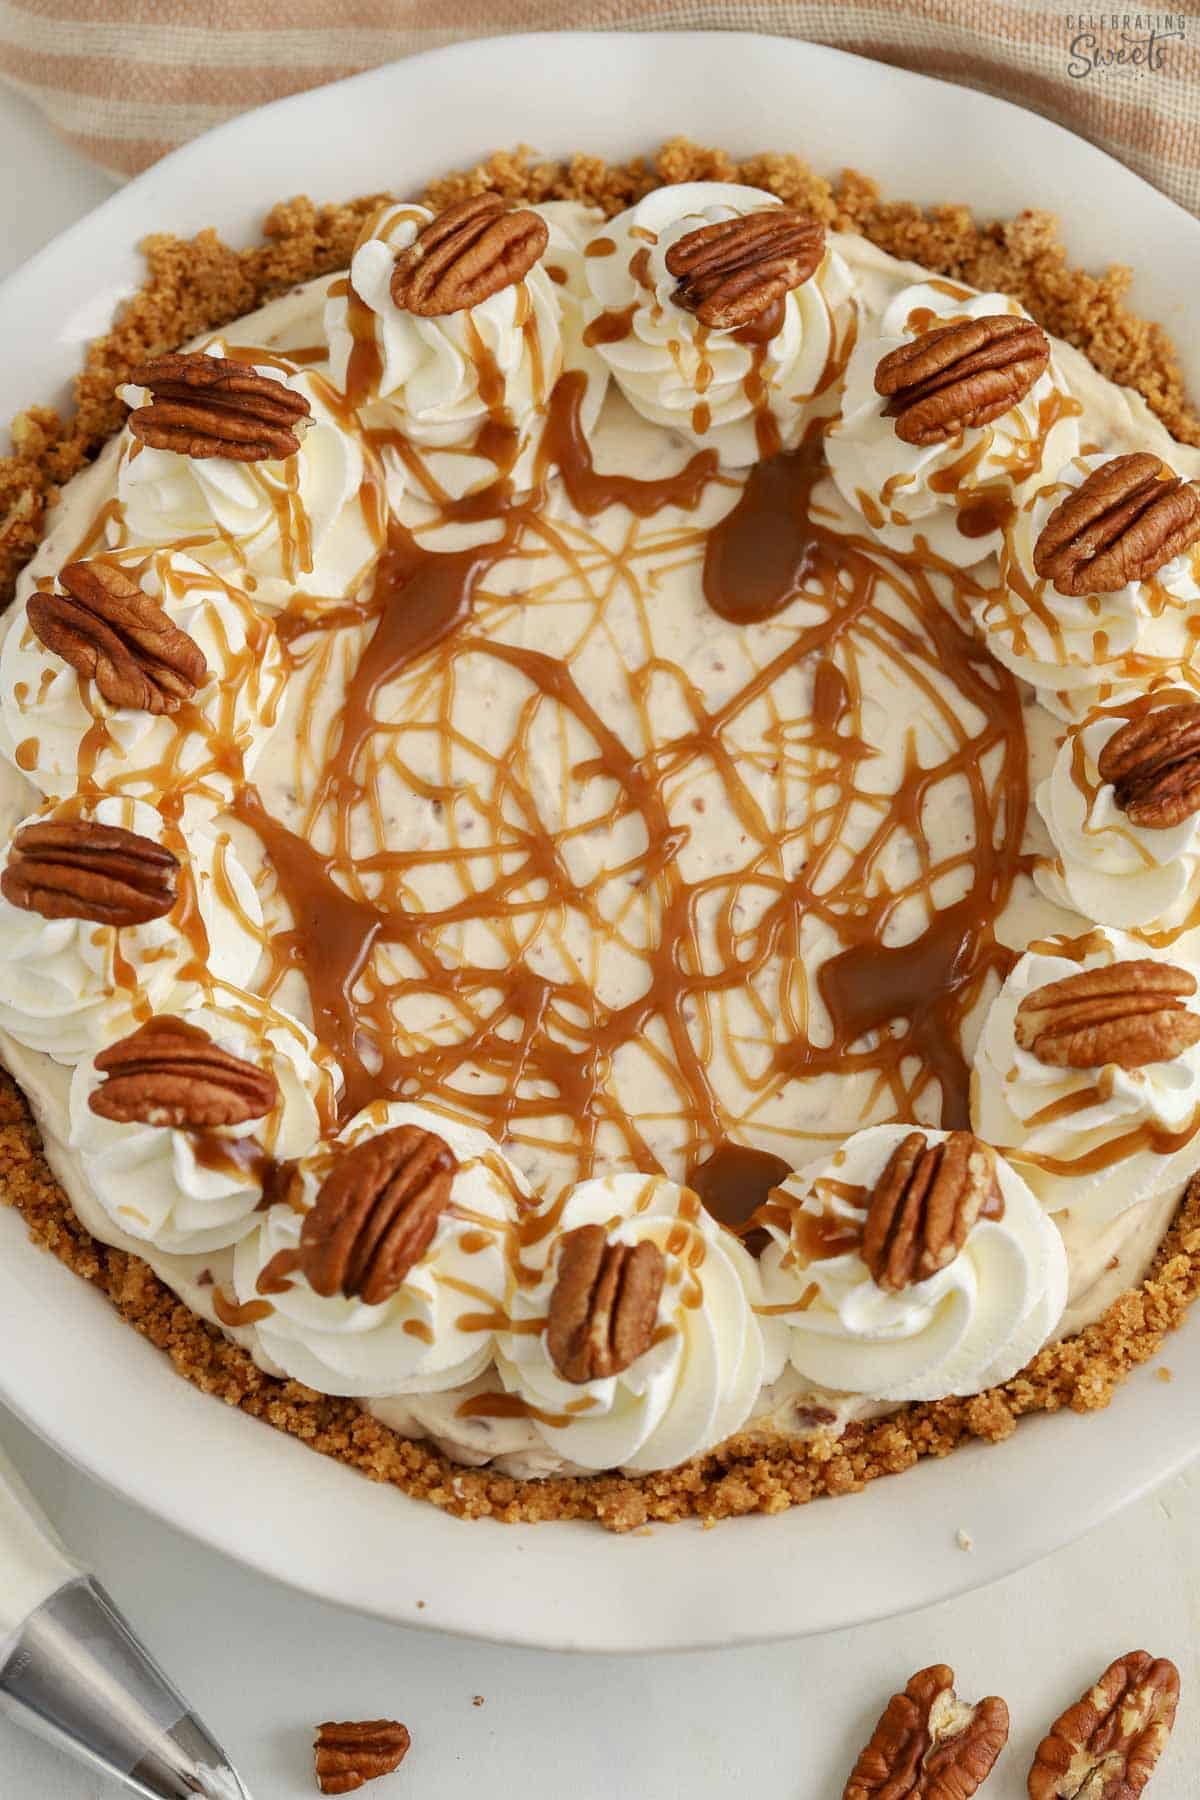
{"x": 1121, "y": 43}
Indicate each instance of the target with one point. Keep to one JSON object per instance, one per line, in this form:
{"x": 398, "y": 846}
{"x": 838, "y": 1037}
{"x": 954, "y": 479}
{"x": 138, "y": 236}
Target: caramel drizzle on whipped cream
{"x": 722, "y": 958}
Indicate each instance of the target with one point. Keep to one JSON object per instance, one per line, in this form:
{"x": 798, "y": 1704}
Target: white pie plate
{"x": 110, "y": 1402}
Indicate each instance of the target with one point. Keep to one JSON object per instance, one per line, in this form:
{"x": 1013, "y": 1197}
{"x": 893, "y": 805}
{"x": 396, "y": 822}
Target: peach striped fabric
{"x": 126, "y": 80}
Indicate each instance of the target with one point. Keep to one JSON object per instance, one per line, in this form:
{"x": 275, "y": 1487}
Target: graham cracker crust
{"x": 199, "y": 284}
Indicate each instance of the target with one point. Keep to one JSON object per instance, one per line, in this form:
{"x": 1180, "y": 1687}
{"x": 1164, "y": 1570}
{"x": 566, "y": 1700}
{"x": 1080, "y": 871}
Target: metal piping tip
{"x": 76, "y": 1673}
{"x": 223, "y": 1785}
{"x": 191, "y": 1764}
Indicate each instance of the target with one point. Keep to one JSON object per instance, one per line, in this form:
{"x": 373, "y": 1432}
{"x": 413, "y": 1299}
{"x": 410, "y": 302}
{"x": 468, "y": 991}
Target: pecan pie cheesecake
{"x": 601, "y": 819}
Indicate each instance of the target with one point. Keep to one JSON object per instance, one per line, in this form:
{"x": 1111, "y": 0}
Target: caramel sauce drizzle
{"x": 511, "y": 1406}
{"x": 589, "y": 491}
{"x": 611, "y": 327}
{"x": 1147, "y": 1136}
{"x": 275, "y": 1276}
{"x": 734, "y": 1181}
{"x": 234, "y": 1315}
{"x": 514, "y": 1045}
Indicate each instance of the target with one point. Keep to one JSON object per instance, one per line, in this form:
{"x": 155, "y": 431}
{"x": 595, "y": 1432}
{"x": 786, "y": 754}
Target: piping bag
{"x": 72, "y": 1670}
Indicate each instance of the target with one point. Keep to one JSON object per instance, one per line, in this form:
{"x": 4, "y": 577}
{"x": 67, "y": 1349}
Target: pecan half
{"x": 1153, "y": 764}
{"x": 204, "y": 406}
{"x": 731, "y": 271}
{"x": 960, "y": 376}
{"x": 118, "y": 637}
{"x": 466, "y": 254}
{"x": 1130, "y": 1014}
{"x": 929, "y": 1744}
{"x": 1105, "y": 1747}
{"x": 604, "y": 1304}
{"x": 171, "y": 1073}
{"x": 351, "y": 1754}
{"x": 924, "y": 1206}
{"x": 376, "y": 1214}
{"x": 1130, "y": 516}
{"x": 77, "y": 869}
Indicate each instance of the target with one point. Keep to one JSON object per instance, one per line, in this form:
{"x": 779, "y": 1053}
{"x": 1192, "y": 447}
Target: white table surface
{"x": 782, "y": 1723}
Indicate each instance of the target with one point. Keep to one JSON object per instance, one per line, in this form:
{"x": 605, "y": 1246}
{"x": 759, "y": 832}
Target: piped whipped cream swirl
{"x": 1082, "y": 650}
{"x": 953, "y": 495}
{"x": 182, "y": 1195}
{"x": 699, "y": 1379}
{"x": 70, "y": 986}
{"x": 1094, "y": 1141}
{"x": 438, "y": 1329}
{"x": 60, "y": 731}
{"x": 271, "y": 526}
{"x": 972, "y": 1324}
{"x": 442, "y": 386}
{"x": 1105, "y": 866}
{"x": 718, "y": 388}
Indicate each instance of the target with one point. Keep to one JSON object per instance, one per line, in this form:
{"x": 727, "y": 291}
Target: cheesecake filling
{"x": 616, "y": 759}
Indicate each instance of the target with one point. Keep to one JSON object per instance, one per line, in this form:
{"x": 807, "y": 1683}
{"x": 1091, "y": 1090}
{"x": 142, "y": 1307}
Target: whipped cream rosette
{"x": 459, "y": 396}
{"x": 71, "y": 982}
{"x": 269, "y": 525}
{"x": 968, "y": 1324}
{"x": 707, "y": 1355}
{"x": 742, "y": 391}
{"x": 954, "y": 492}
{"x": 1085, "y": 649}
{"x": 60, "y": 730}
{"x": 436, "y": 1326}
{"x": 1110, "y": 1120}
{"x": 185, "y": 1191}
{"x": 1109, "y": 864}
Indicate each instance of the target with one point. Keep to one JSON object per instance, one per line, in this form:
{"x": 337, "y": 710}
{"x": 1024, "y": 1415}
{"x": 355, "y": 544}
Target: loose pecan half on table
{"x": 929, "y": 1744}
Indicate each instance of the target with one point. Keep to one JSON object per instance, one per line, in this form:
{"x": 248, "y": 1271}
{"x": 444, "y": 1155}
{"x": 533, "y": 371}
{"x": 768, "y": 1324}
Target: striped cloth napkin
{"x": 126, "y": 80}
